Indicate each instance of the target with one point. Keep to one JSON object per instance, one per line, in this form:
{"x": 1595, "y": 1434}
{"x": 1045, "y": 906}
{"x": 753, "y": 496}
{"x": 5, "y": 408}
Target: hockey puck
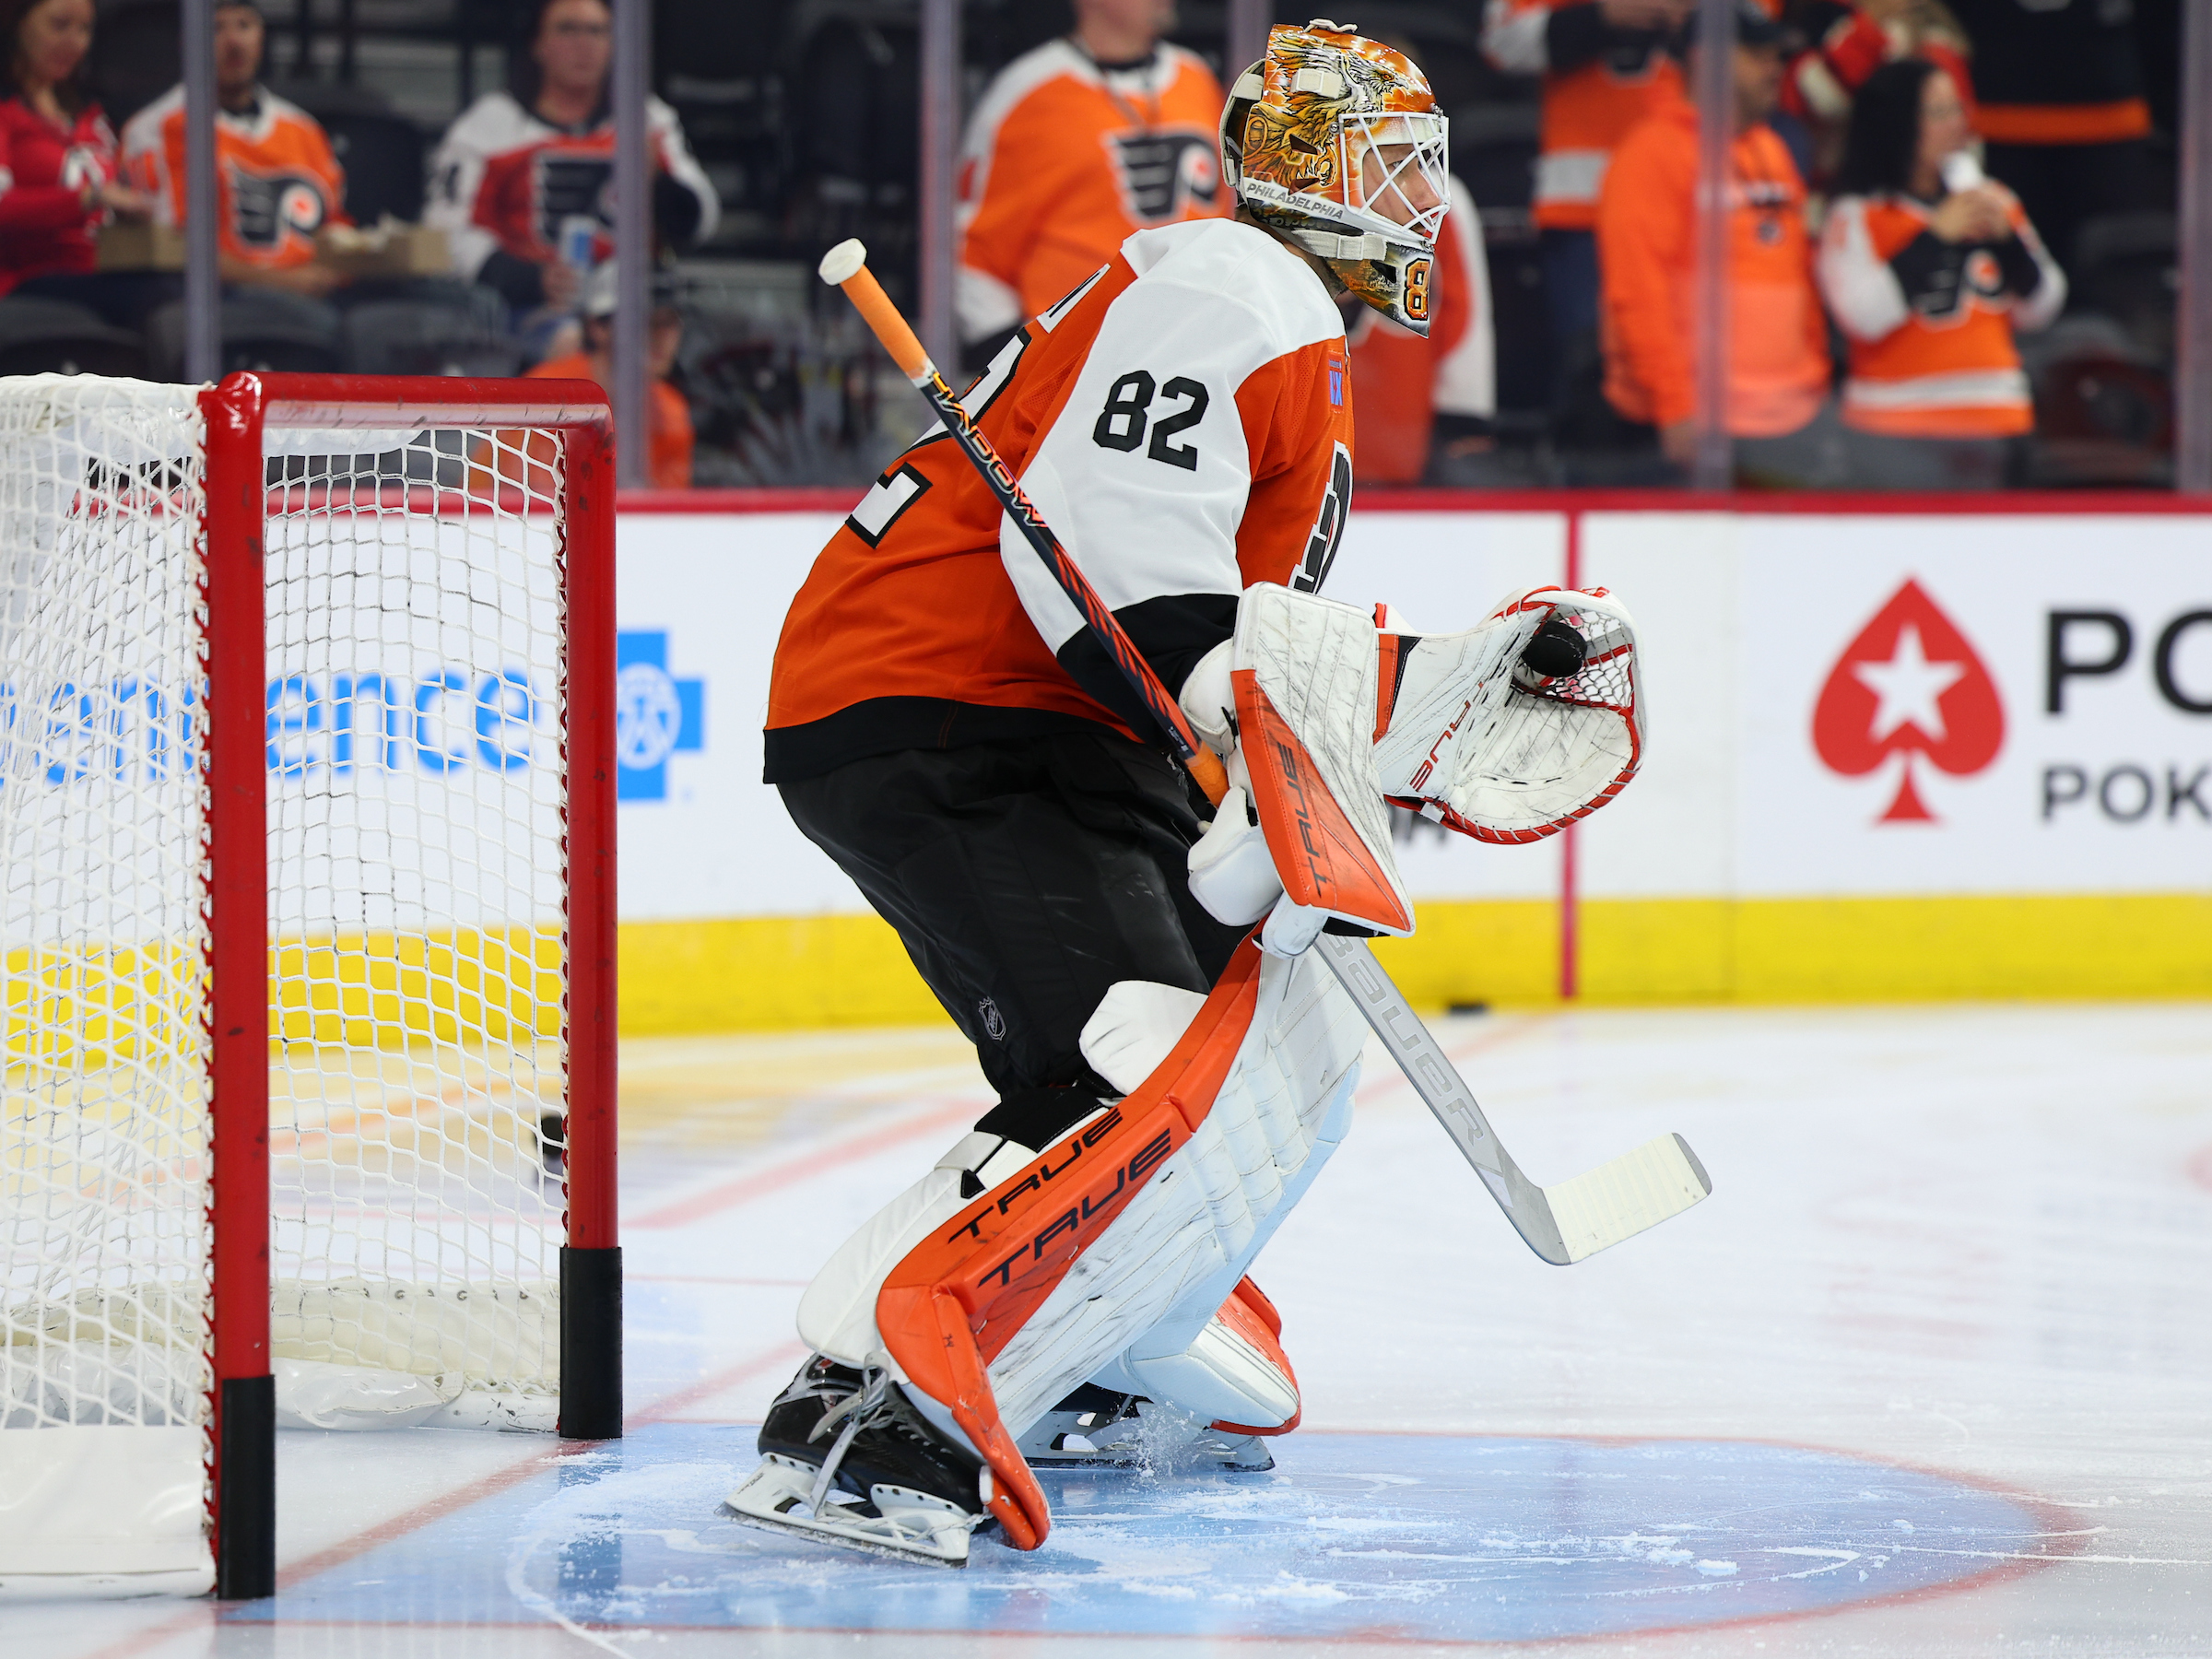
{"x": 1557, "y": 652}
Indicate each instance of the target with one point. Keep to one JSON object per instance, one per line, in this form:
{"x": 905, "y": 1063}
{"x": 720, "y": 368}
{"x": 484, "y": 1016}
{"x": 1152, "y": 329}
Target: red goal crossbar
{"x": 238, "y": 412}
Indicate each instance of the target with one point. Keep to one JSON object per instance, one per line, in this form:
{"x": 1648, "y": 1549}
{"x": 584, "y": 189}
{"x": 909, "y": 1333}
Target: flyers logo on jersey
{"x": 1910, "y": 685}
{"x": 1980, "y": 281}
{"x": 567, "y": 185}
{"x": 1163, "y": 175}
{"x": 269, "y": 207}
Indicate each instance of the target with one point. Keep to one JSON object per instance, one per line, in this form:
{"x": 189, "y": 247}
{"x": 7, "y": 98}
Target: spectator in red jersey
{"x": 58, "y": 159}
{"x": 1929, "y": 269}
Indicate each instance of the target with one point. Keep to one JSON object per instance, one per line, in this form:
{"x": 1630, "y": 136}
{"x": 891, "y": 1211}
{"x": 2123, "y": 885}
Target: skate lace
{"x": 861, "y": 1410}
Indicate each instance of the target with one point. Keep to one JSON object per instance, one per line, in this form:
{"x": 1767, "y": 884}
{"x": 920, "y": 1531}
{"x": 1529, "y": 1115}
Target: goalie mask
{"x": 1337, "y": 142}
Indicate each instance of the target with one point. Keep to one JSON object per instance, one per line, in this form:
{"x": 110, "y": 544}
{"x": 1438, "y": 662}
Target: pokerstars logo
{"x": 1910, "y": 687}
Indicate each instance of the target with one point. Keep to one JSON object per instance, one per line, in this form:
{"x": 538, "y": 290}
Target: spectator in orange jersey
{"x": 1928, "y": 278}
{"x": 1777, "y": 345}
{"x": 1418, "y": 396}
{"x": 276, "y": 184}
{"x": 667, "y": 417}
{"x": 58, "y": 163}
{"x": 1074, "y": 145}
{"x": 1606, "y": 66}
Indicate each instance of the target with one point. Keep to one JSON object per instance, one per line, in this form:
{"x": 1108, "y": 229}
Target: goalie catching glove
{"x": 1507, "y": 733}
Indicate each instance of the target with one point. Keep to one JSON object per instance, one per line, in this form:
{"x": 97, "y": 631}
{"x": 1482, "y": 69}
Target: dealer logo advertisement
{"x": 656, "y": 715}
{"x": 1912, "y": 686}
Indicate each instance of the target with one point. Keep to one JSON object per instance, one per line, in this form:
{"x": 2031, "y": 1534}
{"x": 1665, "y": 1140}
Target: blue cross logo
{"x": 655, "y": 716}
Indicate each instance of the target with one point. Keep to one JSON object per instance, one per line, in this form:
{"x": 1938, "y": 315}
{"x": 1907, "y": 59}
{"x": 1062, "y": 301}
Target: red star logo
{"x": 1909, "y": 684}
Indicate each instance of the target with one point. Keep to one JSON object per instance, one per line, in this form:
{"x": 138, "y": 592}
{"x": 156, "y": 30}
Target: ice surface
{"x": 1493, "y": 1538}
{"x": 1931, "y": 1373}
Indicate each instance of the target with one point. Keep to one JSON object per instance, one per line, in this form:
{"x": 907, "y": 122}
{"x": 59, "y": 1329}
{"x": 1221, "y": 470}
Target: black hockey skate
{"x": 1098, "y": 1428}
{"x": 846, "y": 1458}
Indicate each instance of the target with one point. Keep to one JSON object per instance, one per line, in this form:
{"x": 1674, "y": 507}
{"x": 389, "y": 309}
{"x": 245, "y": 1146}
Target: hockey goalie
{"x": 1173, "y": 1064}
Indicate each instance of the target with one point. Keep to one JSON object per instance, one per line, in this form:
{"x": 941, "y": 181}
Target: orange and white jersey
{"x": 1598, "y": 83}
{"x": 1184, "y": 421}
{"x": 1064, "y": 159}
{"x": 1405, "y": 382}
{"x": 503, "y": 180}
{"x": 276, "y": 181}
{"x": 1931, "y": 323}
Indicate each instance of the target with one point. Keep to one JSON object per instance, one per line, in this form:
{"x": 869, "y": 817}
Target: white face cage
{"x": 1396, "y": 173}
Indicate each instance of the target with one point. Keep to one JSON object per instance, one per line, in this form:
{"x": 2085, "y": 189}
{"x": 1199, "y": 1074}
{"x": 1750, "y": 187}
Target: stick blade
{"x": 1636, "y": 1190}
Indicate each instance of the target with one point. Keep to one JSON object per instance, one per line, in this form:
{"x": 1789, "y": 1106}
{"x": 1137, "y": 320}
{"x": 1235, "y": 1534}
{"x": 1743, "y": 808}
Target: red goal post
{"x": 238, "y": 412}
{"x": 397, "y": 899}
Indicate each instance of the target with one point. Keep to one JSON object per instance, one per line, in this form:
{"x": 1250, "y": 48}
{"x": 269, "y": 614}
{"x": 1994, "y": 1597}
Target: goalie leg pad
{"x": 837, "y": 1314}
{"x": 1030, "y": 1291}
{"x": 1184, "y": 1243}
{"x": 1180, "y": 1241}
{"x": 1233, "y": 1375}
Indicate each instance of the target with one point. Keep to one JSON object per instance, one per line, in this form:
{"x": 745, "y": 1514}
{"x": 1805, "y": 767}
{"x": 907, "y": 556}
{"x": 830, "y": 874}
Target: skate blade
{"x": 1244, "y": 1453}
{"x": 911, "y": 1526}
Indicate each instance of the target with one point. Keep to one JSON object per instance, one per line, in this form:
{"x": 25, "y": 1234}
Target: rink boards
{"x": 1892, "y": 754}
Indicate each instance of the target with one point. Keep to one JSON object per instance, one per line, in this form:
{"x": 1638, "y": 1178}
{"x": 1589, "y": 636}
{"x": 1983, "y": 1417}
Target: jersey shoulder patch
{"x": 1244, "y": 268}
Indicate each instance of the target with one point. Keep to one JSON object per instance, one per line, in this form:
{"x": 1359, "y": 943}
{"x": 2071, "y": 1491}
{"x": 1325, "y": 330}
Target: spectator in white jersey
{"x": 523, "y": 181}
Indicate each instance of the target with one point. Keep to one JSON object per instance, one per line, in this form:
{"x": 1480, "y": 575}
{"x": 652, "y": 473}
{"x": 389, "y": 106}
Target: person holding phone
{"x": 1929, "y": 268}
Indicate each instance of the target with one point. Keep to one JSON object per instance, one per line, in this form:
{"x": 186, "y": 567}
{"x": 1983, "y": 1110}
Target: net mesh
{"x": 415, "y": 794}
{"x": 103, "y": 1052}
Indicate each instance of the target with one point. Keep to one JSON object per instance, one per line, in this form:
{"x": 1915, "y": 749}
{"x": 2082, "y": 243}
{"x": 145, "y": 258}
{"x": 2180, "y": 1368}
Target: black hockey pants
{"x": 1025, "y": 877}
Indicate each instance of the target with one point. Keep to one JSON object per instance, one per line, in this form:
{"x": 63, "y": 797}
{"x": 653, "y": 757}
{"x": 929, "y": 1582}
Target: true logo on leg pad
{"x": 956, "y": 1301}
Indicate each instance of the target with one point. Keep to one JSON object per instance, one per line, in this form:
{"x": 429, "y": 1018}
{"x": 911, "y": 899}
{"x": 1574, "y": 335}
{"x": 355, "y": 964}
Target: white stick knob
{"x": 843, "y": 263}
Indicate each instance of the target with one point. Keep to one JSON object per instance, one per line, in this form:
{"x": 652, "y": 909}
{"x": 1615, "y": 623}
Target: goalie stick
{"x": 1563, "y": 1224}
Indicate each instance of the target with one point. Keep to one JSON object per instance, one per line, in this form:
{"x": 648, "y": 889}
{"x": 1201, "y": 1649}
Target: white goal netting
{"x": 414, "y": 726}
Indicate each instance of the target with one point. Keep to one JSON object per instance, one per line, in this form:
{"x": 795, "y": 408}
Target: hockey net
{"x": 382, "y": 743}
